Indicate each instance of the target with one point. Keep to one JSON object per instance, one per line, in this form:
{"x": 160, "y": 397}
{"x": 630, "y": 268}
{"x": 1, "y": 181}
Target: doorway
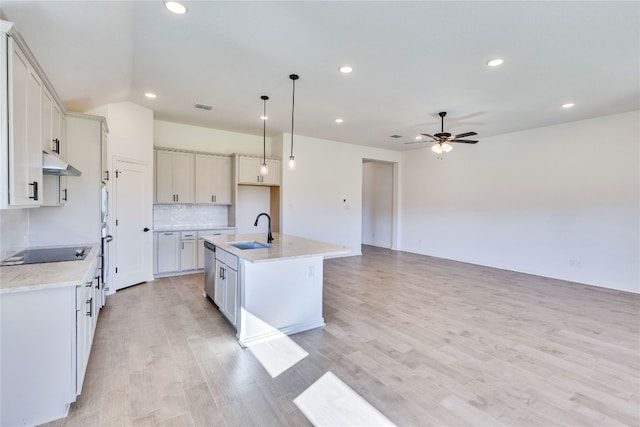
{"x": 378, "y": 203}
{"x": 133, "y": 236}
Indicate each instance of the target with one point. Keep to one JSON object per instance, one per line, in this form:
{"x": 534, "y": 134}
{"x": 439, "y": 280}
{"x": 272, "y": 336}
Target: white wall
{"x": 377, "y": 204}
{"x": 560, "y": 201}
{"x": 322, "y": 198}
{"x": 14, "y": 231}
{"x": 130, "y": 138}
{"x": 195, "y": 138}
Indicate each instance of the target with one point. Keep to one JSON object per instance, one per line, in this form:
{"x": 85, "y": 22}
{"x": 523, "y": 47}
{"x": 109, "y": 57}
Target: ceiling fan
{"x": 442, "y": 139}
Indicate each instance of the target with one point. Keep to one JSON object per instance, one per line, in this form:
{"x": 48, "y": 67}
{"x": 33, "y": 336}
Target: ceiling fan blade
{"x": 462, "y": 135}
{"x": 464, "y": 141}
{"x": 430, "y": 136}
{"x": 415, "y": 142}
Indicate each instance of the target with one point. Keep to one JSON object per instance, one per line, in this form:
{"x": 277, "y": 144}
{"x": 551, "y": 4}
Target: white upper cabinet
{"x": 249, "y": 171}
{"x": 174, "y": 177}
{"x": 213, "y": 179}
{"x": 22, "y": 141}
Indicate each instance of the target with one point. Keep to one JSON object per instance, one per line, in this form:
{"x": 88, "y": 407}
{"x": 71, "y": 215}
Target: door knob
{"x": 145, "y": 229}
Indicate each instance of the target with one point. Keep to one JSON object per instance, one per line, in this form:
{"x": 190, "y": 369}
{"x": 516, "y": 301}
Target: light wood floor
{"x": 425, "y": 341}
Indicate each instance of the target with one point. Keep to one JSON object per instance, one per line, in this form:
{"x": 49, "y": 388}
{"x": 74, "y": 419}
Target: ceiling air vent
{"x": 204, "y": 107}
{"x": 395, "y": 136}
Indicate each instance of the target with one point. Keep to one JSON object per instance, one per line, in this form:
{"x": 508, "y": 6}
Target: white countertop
{"x": 18, "y": 278}
{"x": 283, "y": 246}
{"x": 169, "y": 227}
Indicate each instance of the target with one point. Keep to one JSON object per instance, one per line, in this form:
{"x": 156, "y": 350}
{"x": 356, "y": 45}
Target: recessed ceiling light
{"x": 175, "y": 7}
{"x": 346, "y": 69}
{"x": 495, "y": 62}
{"x": 264, "y": 118}
{"x": 339, "y": 120}
{"x": 150, "y": 95}
{"x": 568, "y": 105}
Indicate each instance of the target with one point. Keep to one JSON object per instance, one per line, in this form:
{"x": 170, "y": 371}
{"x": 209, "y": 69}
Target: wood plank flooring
{"x": 425, "y": 341}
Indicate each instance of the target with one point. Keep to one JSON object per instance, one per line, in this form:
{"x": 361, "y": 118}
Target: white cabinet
{"x": 174, "y": 177}
{"x": 54, "y": 188}
{"x": 213, "y": 179}
{"x": 249, "y": 171}
{"x": 86, "y": 320}
{"x": 226, "y": 284}
{"x": 167, "y": 255}
{"x": 22, "y": 138}
{"x": 189, "y": 251}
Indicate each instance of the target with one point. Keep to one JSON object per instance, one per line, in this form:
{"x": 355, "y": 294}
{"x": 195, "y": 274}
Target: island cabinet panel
{"x": 281, "y": 296}
{"x": 226, "y": 284}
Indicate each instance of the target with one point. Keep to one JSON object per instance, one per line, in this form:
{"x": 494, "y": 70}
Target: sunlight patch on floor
{"x": 330, "y": 402}
{"x": 278, "y": 354}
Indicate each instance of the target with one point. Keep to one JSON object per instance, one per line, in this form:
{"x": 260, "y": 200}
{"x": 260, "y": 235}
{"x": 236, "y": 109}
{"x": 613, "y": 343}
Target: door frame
{"x": 395, "y": 202}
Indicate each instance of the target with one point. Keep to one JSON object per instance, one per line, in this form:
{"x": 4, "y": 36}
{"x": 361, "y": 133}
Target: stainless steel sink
{"x": 249, "y": 245}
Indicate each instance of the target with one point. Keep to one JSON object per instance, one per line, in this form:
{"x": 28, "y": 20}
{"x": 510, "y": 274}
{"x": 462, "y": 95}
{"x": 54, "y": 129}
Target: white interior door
{"x": 131, "y": 220}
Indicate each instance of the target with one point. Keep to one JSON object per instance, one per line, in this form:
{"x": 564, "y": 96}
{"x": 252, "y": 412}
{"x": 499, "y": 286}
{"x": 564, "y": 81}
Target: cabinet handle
{"x": 35, "y": 190}
{"x": 66, "y": 194}
{"x": 88, "y": 284}
{"x": 106, "y": 174}
{"x": 168, "y": 234}
{"x": 177, "y": 197}
{"x": 57, "y": 146}
{"x": 90, "y": 312}
{"x": 182, "y": 245}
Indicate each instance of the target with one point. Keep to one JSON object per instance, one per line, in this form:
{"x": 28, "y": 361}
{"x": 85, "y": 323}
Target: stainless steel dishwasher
{"x": 209, "y": 268}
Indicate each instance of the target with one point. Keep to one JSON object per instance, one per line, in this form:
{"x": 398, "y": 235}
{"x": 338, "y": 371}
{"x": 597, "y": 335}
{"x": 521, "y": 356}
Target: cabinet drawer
{"x": 232, "y": 261}
{"x": 188, "y": 235}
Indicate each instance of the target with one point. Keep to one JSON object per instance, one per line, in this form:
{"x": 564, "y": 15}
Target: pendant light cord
{"x": 264, "y": 130}
{"x": 293, "y": 106}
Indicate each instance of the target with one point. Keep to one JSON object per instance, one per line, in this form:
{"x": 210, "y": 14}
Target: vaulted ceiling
{"x": 410, "y": 60}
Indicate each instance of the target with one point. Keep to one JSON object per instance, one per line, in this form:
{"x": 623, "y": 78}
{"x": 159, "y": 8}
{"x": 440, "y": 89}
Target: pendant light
{"x": 264, "y": 170}
{"x": 292, "y": 159}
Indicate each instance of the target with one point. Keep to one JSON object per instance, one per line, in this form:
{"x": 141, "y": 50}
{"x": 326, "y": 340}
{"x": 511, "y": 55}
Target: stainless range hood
{"x": 52, "y": 165}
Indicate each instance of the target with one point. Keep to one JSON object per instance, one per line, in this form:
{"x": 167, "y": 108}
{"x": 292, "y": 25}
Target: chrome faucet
{"x": 255, "y": 224}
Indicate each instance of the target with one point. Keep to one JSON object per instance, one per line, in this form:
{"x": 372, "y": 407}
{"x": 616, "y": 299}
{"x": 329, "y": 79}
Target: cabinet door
{"x": 188, "y": 255}
{"x": 164, "y": 177}
{"x": 25, "y": 131}
{"x": 167, "y": 252}
{"x": 47, "y": 123}
{"x": 183, "y": 177}
{"x": 213, "y": 179}
{"x": 248, "y": 170}
{"x": 273, "y": 177}
{"x": 231, "y": 295}
{"x": 219, "y": 284}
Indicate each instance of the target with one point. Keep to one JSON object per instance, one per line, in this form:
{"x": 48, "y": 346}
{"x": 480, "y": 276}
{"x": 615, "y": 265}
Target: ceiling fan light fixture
{"x": 446, "y": 147}
{"x": 436, "y": 148}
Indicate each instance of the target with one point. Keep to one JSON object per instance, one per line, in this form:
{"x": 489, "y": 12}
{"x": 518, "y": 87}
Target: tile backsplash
{"x": 177, "y": 215}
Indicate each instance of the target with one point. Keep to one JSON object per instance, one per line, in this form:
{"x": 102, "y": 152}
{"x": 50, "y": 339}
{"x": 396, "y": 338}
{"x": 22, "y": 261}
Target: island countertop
{"x": 284, "y": 246}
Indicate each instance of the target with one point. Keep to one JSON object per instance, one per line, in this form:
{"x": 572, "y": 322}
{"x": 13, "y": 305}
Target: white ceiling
{"x": 410, "y": 59}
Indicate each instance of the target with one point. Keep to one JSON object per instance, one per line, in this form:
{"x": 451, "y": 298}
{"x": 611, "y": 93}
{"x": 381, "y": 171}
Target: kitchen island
{"x": 267, "y": 292}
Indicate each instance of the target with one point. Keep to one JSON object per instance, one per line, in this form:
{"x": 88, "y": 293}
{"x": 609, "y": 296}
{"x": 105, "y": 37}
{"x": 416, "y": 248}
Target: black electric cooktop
{"x": 41, "y": 255}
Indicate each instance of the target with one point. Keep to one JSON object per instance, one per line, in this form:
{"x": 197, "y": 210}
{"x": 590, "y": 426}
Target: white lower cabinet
{"x": 188, "y": 251}
{"x": 166, "y": 252}
{"x": 46, "y": 335}
{"x": 226, "y": 284}
{"x": 181, "y": 252}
